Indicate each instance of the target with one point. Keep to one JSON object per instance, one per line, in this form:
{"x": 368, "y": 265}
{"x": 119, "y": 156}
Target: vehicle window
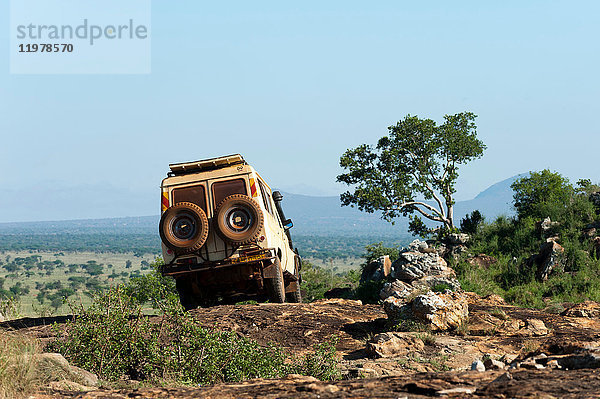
{"x": 195, "y": 195}
{"x": 224, "y": 189}
{"x": 265, "y": 196}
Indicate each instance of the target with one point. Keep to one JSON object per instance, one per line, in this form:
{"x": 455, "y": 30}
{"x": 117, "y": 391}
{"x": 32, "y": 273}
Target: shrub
{"x": 114, "y": 339}
{"x": 470, "y": 223}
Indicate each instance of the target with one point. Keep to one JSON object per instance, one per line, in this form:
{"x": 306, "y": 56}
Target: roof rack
{"x": 178, "y": 169}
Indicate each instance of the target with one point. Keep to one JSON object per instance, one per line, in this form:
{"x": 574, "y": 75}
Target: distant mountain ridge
{"x": 319, "y": 216}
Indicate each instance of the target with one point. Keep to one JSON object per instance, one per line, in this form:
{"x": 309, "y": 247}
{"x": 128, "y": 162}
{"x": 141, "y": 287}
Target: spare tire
{"x": 238, "y": 219}
{"x": 184, "y": 227}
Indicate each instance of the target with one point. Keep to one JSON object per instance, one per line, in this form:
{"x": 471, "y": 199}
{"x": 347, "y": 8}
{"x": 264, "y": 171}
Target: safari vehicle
{"x": 224, "y": 234}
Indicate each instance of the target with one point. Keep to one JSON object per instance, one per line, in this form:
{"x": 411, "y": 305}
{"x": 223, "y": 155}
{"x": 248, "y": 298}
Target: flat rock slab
{"x": 498, "y": 384}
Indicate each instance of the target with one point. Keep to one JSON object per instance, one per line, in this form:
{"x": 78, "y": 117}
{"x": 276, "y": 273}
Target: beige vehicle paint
{"x": 206, "y": 184}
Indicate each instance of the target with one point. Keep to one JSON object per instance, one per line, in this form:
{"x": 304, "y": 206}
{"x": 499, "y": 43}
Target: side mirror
{"x": 288, "y": 224}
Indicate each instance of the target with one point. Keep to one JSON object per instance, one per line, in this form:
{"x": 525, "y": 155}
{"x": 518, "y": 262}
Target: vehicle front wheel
{"x": 275, "y": 286}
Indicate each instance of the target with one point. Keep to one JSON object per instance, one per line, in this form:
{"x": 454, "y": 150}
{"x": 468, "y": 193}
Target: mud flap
{"x": 270, "y": 271}
{"x": 292, "y": 286}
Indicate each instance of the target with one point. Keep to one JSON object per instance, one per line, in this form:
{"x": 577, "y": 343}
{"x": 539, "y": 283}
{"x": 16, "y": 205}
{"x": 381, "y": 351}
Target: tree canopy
{"x": 533, "y": 193}
{"x": 412, "y": 170}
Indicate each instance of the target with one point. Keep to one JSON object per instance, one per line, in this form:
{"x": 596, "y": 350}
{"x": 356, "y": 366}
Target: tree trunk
{"x": 450, "y": 216}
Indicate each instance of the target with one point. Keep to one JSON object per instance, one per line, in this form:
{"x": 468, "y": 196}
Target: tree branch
{"x": 431, "y": 190}
{"x": 439, "y": 218}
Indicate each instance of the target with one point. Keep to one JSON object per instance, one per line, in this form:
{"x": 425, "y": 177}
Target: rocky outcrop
{"x": 377, "y": 270}
{"x": 549, "y": 259}
{"x": 437, "y": 311}
{"x": 416, "y": 263}
{"x": 441, "y": 311}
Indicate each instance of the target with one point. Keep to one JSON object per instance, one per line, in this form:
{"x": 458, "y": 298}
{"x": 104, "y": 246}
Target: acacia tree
{"x": 413, "y": 170}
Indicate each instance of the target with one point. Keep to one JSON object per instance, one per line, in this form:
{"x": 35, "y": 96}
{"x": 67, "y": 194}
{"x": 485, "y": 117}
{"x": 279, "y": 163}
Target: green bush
{"x": 513, "y": 241}
{"x": 115, "y": 340}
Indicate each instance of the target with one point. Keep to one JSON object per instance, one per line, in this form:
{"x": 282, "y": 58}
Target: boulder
{"x": 393, "y": 344}
{"x": 440, "y": 311}
{"x": 404, "y": 291}
{"x": 412, "y": 265}
{"x": 397, "y": 289}
{"x": 549, "y": 259}
{"x": 377, "y": 270}
{"x": 396, "y": 309}
{"x": 54, "y": 367}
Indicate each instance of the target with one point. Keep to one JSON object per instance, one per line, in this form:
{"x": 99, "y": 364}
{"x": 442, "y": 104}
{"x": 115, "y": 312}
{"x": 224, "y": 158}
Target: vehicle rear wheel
{"x": 238, "y": 219}
{"x": 186, "y": 294}
{"x": 275, "y": 286}
{"x": 184, "y": 227}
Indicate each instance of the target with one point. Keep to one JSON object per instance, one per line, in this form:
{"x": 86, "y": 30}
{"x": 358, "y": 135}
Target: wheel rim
{"x": 183, "y": 227}
{"x": 239, "y": 219}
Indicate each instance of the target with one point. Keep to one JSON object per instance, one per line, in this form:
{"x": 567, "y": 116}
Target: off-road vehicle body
{"x": 224, "y": 234}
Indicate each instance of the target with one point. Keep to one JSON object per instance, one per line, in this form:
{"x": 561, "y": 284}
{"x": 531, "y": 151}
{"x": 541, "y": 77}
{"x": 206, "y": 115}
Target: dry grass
{"x": 18, "y": 374}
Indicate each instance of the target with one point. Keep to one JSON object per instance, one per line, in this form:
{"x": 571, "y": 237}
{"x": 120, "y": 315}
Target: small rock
{"x": 456, "y": 391}
{"x": 393, "y": 344}
{"x": 508, "y": 358}
{"x": 492, "y": 364}
{"x": 536, "y": 328}
{"x": 546, "y": 227}
{"x": 413, "y": 264}
{"x": 495, "y": 299}
{"x": 553, "y": 364}
{"x": 66, "y": 385}
{"x": 430, "y": 282}
{"x": 478, "y": 365}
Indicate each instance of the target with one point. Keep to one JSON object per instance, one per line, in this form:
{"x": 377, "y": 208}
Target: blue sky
{"x": 291, "y": 86}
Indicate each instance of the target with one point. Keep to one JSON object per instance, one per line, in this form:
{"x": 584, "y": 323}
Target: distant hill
{"x": 318, "y": 216}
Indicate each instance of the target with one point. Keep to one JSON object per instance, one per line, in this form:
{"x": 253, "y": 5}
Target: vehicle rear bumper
{"x": 189, "y": 264}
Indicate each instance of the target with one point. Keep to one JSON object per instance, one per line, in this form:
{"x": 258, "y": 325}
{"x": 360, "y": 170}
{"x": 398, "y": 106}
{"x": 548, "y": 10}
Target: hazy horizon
{"x": 291, "y": 86}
